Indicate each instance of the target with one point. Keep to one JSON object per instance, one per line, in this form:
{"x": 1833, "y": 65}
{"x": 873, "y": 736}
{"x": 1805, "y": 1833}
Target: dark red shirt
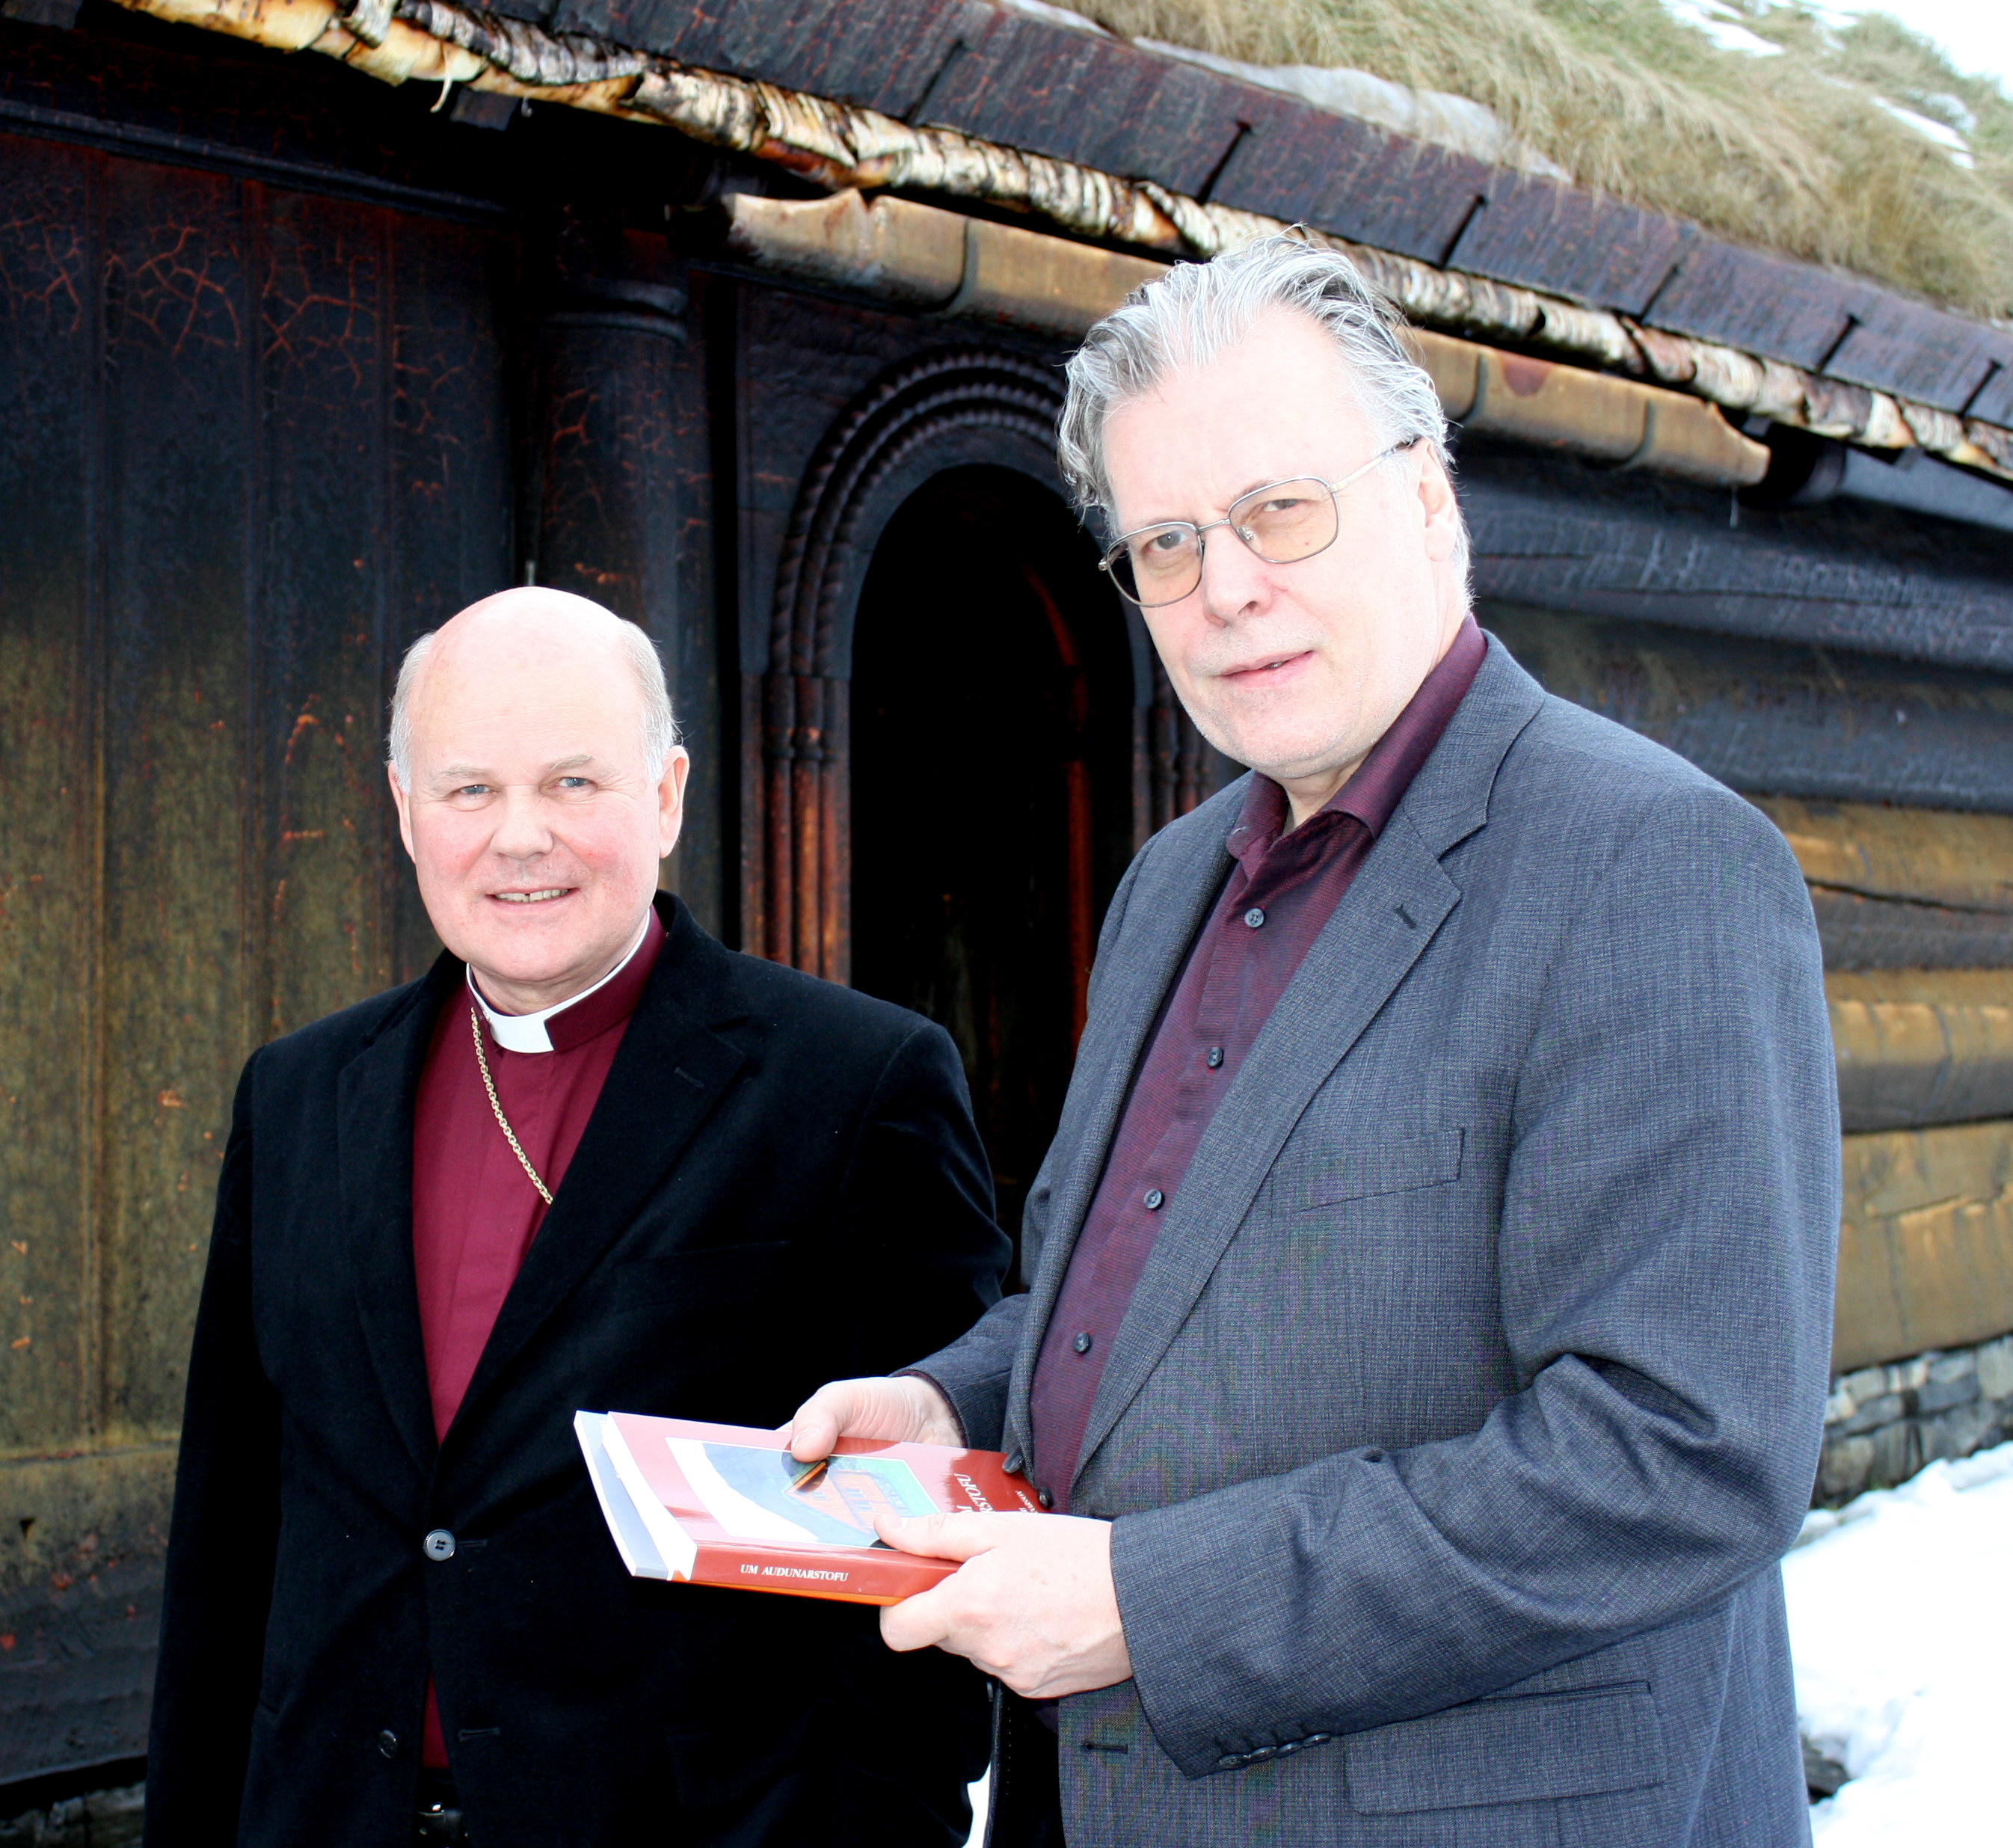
{"x": 1282, "y": 889}
{"x": 474, "y": 1209}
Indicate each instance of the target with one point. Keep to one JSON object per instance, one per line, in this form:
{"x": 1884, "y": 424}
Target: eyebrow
{"x": 476, "y": 772}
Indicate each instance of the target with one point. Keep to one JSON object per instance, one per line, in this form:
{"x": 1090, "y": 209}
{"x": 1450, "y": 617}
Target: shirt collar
{"x": 1379, "y": 782}
{"x": 559, "y": 1028}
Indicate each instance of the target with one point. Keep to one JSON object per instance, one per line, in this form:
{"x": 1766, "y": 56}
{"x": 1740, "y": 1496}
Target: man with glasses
{"x": 1431, "y": 1277}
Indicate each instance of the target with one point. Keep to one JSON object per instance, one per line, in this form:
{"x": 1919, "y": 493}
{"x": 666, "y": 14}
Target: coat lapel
{"x": 1172, "y": 899}
{"x": 375, "y": 1095}
{"x": 669, "y": 1071}
{"x": 1391, "y": 913}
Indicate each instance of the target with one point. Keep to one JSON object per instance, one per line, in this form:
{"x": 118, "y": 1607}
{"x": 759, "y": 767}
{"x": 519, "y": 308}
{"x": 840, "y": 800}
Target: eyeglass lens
{"x": 1282, "y": 524}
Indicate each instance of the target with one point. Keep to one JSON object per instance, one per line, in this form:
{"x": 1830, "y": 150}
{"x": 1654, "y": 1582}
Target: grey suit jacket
{"x": 1475, "y": 1387}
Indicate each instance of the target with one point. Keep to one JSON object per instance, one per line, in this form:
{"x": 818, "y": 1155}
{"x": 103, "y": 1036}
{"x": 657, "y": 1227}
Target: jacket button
{"x": 1229, "y": 1761}
{"x": 1259, "y": 1753}
{"x": 1046, "y": 1499}
{"x": 1292, "y": 1744}
{"x": 387, "y": 1742}
{"x": 438, "y": 1545}
{"x": 1014, "y": 1464}
{"x": 1318, "y": 1739}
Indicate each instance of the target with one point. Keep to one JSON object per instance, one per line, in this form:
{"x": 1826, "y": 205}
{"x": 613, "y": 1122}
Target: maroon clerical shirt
{"x": 1281, "y": 889}
{"x": 474, "y": 1209}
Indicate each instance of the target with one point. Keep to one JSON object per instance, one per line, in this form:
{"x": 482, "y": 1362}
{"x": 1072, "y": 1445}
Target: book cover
{"x": 727, "y": 1505}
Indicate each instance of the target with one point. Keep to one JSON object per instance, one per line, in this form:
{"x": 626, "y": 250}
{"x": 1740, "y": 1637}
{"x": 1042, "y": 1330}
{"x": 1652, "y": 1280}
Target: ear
{"x": 671, "y": 800}
{"x": 1440, "y": 512}
{"x": 399, "y": 802}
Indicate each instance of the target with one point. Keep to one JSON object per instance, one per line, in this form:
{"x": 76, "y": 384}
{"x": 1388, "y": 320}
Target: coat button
{"x": 1317, "y": 1738}
{"x": 1014, "y": 1464}
{"x": 1155, "y": 1199}
{"x": 438, "y": 1545}
{"x": 1254, "y": 918}
{"x": 1046, "y": 1499}
{"x": 1215, "y": 1057}
{"x": 1229, "y": 1761}
{"x": 1081, "y": 1344}
{"x": 1259, "y": 1753}
{"x": 387, "y": 1742}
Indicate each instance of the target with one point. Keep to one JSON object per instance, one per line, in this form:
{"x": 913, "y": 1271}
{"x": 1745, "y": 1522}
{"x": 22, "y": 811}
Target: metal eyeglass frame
{"x": 1118, "y": 544}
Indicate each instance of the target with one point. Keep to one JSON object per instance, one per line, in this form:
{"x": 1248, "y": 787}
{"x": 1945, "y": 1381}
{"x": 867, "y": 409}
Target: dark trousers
{"x": 1027, "y": 1803}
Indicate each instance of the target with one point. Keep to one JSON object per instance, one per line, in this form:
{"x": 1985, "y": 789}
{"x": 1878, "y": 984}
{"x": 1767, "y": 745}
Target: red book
{"x": 722, "y": 1504}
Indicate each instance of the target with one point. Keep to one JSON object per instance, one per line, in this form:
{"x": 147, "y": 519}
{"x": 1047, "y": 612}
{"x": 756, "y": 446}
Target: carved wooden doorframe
{"x": 947, "y": 408}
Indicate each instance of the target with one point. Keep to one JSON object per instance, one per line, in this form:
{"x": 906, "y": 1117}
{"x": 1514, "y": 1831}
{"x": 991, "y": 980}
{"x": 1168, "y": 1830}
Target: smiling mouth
{"x": 1265, "y": 667}
{"x": 533, "y": 897}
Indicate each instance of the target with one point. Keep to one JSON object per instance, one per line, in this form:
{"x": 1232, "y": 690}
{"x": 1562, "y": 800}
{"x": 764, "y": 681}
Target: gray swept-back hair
{"x": 639, "y": 653}
{"x": 1188, "y": 316}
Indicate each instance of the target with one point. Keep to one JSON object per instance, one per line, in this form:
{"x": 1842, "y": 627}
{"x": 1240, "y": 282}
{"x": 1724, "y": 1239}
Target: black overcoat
{"x": 780, "y": 1185}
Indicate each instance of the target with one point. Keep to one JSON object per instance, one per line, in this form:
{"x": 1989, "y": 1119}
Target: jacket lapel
{"x": 1391, "y": 913}
{"x": 669, "y": 1071}
{"x": 375, "y": 1095}
{"x": 1172, "y": 898}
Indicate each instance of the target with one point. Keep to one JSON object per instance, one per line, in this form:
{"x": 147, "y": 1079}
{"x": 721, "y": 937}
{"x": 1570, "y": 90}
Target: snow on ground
{"x": 1901, "y": 1620}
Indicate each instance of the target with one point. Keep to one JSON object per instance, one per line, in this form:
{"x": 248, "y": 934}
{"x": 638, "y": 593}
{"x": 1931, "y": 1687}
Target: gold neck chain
{"x": 502, "y": 1121}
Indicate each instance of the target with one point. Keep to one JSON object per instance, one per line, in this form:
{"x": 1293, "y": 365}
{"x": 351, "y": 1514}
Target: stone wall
{"x": 104, "y": 1819}
{"x": 1883, "y": 1423}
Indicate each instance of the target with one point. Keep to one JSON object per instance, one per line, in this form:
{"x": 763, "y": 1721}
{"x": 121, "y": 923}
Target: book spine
{"x": 869, "y": 1577}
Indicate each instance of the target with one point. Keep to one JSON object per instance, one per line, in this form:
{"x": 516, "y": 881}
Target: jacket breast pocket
{"x": 1579, "y": 1742}
{"x": 1334, "y": 1172}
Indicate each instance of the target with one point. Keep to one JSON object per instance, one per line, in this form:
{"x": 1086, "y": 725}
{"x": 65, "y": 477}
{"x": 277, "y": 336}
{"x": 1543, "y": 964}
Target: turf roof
{"x": 1808, "y": 152}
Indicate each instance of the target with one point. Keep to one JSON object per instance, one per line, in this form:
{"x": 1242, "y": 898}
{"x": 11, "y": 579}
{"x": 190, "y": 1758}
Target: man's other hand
{"x": 904, "y": 1411}
{"x": 1033, "y": 1605}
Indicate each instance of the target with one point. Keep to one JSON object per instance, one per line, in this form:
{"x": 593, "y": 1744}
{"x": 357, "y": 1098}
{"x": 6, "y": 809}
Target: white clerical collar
{"x": 526, "y": 1032}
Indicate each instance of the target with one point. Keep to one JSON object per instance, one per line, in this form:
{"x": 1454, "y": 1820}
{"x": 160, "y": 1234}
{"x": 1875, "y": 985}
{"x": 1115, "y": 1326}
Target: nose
{"x": 521, "y": 832}
{"x": 1233, "y": 576}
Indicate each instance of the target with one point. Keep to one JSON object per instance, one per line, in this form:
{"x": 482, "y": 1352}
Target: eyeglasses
{"x": 1283, "y": 524}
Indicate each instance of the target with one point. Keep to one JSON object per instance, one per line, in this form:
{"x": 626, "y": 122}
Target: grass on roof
{"x": 1790, "y": 153}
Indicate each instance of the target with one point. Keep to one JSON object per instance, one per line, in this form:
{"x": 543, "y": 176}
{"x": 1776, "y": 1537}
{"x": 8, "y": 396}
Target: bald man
{"x": 590, "y": 1159}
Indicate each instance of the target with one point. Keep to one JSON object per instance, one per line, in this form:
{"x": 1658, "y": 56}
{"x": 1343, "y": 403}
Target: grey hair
{"x": 1188, "y": 316}
{"x": 660, "y": 723}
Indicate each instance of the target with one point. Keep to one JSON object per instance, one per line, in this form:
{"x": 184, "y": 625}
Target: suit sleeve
{"x": 916, "y": 1206}
{"x": 222, "y": 1538}
{"x": 1667, "y": 1235}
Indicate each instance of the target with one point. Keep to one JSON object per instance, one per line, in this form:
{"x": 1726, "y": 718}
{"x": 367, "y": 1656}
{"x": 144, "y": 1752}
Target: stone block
{"x": 1874, "y": 1413}
{"x": 1868, "y": 1382}
{"x": 1940, "y": 1396}
{"x": 1898, "y": 1454}
{"x": 1963, "y": 1365}
{"x": 1956, "y": 1432}
{"x": 1845, "y": 1468}
{"x": 1905, "y": 1376}
{"x": 1840, "y": 1407}
{"x": 1995, "y": 1368}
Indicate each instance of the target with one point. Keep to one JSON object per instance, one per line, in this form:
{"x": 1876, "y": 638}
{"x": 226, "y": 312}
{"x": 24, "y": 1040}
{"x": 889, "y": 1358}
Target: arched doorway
{"x": 993, "y": 805}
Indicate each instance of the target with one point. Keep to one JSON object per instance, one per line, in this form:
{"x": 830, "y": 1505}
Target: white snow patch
{"x": 1721, "y": 24}
{"x": 1901, "y": 1622}
{"x": 1930, "y": 130}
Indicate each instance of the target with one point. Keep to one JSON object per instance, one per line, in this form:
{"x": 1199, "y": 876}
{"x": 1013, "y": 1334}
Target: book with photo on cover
{"x": 725, "y": 1505}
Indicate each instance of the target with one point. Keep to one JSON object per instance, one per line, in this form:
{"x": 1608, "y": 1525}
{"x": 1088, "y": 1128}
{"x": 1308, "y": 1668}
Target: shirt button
{"x": 438, "y": 1545}
{"x": 1154, "y": 1199}
{"x": 1046, "y": 1499}
{"x": 1254, "y": 918}
{"x": 1081, "y": 1344}
{"x": 1215, "y": 1057}
{"x": 387, "y": 1742}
